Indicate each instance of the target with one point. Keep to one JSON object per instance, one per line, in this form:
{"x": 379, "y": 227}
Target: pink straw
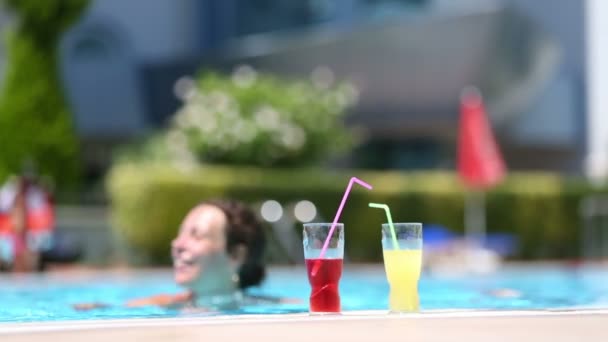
{"x": 337, "y": 217}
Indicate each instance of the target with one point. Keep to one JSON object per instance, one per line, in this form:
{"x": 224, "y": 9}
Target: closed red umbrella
{"x": 480, "y": 163}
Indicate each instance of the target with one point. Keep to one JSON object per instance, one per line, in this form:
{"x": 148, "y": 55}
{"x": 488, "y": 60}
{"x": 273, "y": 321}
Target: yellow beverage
{"x": 403, "y": 271}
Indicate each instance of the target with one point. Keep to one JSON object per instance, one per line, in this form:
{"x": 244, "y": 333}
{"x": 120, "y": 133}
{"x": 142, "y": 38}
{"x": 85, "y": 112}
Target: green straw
{"x": 390, "y": 221}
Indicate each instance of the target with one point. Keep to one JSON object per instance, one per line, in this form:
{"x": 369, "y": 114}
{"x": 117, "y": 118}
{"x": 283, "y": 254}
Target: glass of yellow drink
{"x": 403, "y": 265}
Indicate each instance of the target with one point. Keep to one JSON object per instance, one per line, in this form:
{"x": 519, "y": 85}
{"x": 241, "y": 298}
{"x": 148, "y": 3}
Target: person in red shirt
{"x": 26, "y": 224}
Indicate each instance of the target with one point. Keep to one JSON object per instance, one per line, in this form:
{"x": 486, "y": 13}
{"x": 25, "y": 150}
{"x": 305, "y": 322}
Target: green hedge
{"x": 149, "y": 201}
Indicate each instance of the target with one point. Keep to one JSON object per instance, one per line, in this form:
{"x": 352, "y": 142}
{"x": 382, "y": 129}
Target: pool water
{"x": 49, "y": 297}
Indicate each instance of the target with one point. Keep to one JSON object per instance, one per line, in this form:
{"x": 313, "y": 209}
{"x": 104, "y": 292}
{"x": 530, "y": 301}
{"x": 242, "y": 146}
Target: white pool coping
{"x": 436, "y": 325}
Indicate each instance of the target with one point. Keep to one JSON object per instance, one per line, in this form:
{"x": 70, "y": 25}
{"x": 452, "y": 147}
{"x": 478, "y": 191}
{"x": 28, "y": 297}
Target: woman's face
{"x": 200, "y": 246}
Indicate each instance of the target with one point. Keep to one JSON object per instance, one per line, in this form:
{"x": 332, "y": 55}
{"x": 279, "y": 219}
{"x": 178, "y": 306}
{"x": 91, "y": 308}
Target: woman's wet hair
{"x": 244, "y": 228}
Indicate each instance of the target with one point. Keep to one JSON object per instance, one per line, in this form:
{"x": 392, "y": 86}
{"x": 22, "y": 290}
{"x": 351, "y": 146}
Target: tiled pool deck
{"x": 472, "y": 326}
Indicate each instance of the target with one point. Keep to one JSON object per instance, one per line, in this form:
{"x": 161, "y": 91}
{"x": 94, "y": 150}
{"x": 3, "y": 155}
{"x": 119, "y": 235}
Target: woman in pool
{"x": 217, "y": 253}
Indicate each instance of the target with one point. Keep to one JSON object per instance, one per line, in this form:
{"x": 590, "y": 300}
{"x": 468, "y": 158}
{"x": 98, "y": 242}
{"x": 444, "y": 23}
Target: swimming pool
{"x": 48, "y": 297}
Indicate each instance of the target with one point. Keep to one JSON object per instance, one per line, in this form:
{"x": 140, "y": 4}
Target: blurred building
{"x": 409, "y": 58}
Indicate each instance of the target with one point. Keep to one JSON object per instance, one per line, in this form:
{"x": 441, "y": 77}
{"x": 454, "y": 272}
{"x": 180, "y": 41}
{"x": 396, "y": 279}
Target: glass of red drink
{"x": 324, "y": 272}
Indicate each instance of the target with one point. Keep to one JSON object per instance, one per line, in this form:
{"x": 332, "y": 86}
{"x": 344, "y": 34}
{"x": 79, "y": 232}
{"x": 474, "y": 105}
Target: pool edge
{"x": 354, "y": 317}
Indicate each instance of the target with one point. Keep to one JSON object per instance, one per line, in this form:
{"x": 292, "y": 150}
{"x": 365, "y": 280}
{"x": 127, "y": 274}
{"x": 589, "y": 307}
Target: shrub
{"x": 249, "y": 118}
{"x": 35, "y": 123}
{"x": 541, "y": 210}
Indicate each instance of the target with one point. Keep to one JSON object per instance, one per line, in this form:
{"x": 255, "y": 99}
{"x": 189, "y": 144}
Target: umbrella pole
{"x": 475, "y": 218}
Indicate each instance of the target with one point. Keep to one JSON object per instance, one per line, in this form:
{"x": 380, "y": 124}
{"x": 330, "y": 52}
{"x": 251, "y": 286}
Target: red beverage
{"x": 324, "y": 296}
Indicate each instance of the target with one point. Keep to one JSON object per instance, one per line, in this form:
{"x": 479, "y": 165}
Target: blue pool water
{"x": 49, "y": 297}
